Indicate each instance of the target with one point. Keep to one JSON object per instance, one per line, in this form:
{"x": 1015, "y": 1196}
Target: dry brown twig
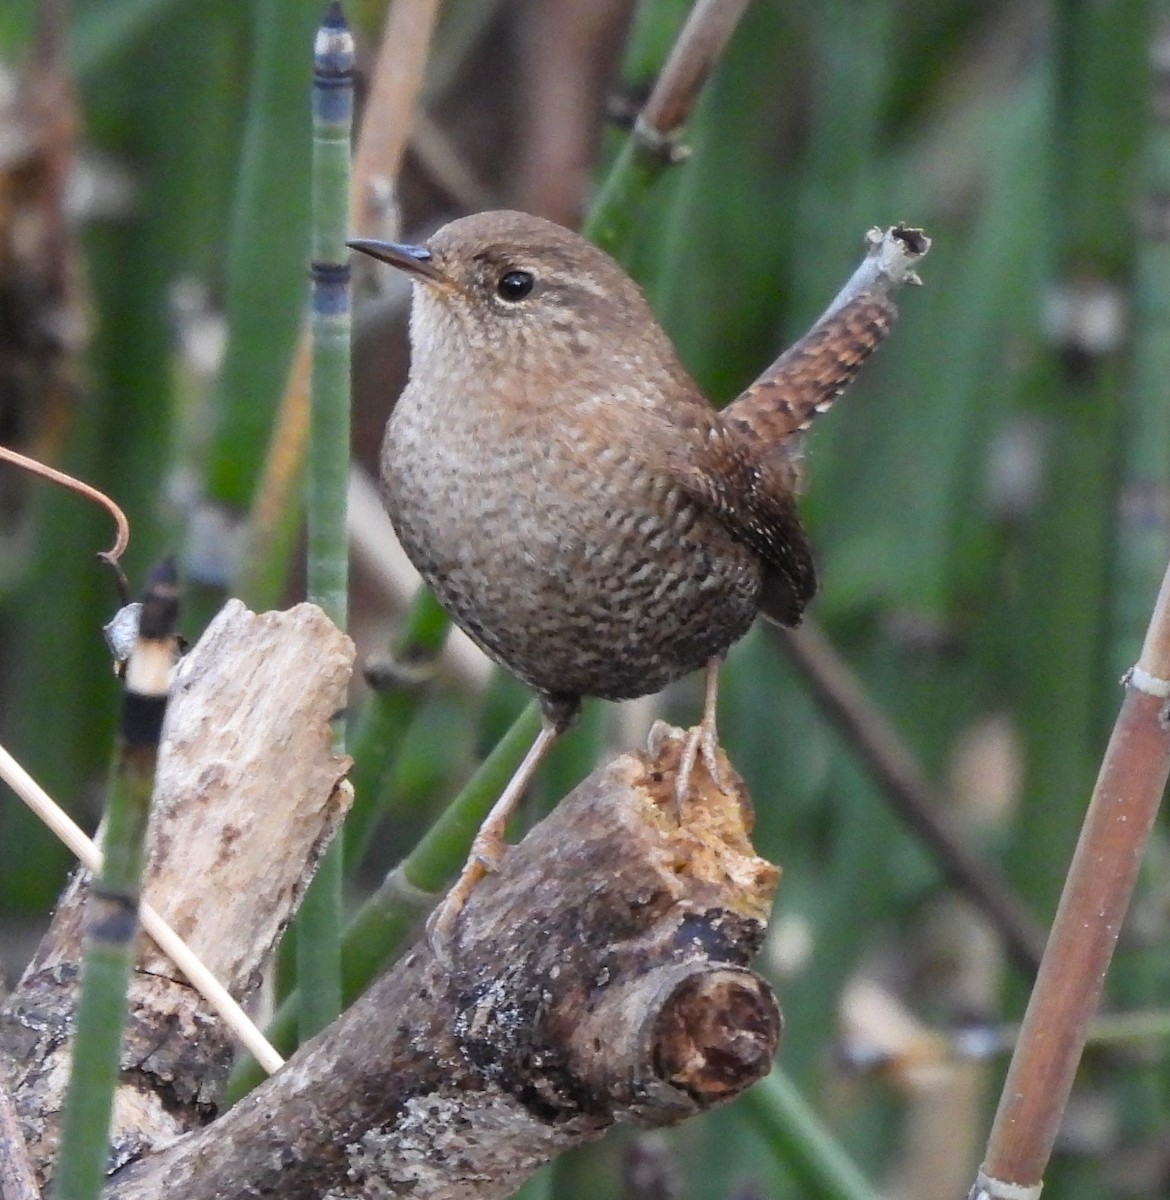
{"x": 697, "y": 49}
{"x": 1088, "y": 920}
{"x": 867, "y": 732}
{"x": 389, "y": 112}
{"x": 111, "y": 556}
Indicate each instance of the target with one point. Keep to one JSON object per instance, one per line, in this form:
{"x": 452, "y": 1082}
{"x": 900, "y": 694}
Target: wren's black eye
{"x": 515, "y": 285}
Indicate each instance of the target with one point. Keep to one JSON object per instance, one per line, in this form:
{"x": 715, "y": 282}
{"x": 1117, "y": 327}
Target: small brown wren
{"x": 575, "y": 502}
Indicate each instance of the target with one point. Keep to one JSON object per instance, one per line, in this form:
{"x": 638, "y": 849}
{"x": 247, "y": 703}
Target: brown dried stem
{"x": 695, "y": 53}
{"x": 1092, "y": 907}
{"x": 389, "y": 111}
{"x": 888, "y": 759}
{"x": 599, "y": 978}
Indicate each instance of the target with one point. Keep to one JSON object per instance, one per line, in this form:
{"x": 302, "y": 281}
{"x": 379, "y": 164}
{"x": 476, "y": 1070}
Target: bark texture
{"x": 247, "y": 796}
{"x": 599, "y": 977}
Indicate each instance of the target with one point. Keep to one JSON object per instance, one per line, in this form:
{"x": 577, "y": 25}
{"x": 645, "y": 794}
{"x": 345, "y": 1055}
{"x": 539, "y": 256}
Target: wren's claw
{"x": 703, "y": 740}
{"x": 487, "y": 853}
{"x": 440, "y": 930}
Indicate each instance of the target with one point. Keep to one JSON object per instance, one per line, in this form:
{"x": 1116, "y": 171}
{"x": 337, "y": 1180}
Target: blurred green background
{"x": 989, "y": 504}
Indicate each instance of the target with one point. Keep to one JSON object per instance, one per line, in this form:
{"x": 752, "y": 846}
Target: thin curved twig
{"x": 111, "y": 556}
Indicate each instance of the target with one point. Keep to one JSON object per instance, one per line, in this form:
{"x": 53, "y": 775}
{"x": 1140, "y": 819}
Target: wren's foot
{"x": 703, "y": 740}
{"x": 487, "y": 850}
{"x": 487, "y": 855}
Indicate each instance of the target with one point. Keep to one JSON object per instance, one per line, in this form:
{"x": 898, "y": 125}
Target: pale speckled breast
{"x": 583, "y": 574}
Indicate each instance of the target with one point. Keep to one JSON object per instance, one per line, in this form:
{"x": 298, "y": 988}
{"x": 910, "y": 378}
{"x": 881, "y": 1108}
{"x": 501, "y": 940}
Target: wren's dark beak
{"x": 414, "y": 260}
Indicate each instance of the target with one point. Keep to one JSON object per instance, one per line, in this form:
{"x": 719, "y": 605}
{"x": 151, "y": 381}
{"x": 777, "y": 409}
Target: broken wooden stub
{"x": 248, "y": 794}
{"x": 600, "y": 977}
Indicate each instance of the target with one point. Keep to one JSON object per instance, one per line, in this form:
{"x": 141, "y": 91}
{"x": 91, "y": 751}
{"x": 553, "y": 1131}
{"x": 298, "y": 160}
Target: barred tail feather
{"x": 805, "y": 380}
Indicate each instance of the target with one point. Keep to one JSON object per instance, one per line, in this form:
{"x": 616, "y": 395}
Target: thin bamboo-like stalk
{"x": 112, "y": 909}
{"x": 802, "y": 1143}
{"x": 319, "y": 918}
{"x": 381, "y": 144}
{"x": 387, "y": 714}
{"x": 1092, "y": 907}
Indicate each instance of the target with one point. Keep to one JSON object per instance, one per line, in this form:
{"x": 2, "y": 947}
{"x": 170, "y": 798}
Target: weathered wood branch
{"x": 599, "y": 977}
{"x": 248, "y": 794}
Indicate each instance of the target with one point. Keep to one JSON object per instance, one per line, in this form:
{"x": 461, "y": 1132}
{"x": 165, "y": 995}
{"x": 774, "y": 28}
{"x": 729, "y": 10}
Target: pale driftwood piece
{"x": 248, "y": 795}
{"x": 600, "y": 977}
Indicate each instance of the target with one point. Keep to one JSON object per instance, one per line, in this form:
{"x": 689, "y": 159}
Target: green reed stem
{"x": 112, "y": 905}
{"x": 319, "y": 919}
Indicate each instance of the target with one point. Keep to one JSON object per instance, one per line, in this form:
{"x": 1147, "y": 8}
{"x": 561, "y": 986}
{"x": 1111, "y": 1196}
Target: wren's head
{"x": 508, "y": 291}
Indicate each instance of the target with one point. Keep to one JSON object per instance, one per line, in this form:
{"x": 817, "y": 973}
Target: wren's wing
{"x": 805, "y": 380}
{"x": 754, "y": 496}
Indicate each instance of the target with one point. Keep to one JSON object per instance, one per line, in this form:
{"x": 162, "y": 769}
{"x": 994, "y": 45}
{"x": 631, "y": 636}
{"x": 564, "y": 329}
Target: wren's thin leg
{"x": 702, "y": 739}
{"x": 488, "y": 848}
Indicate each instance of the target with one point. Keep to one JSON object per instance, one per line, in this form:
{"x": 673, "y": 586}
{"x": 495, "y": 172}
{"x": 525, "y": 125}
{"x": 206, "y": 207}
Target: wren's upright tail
{"x": 805, "y": 380}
